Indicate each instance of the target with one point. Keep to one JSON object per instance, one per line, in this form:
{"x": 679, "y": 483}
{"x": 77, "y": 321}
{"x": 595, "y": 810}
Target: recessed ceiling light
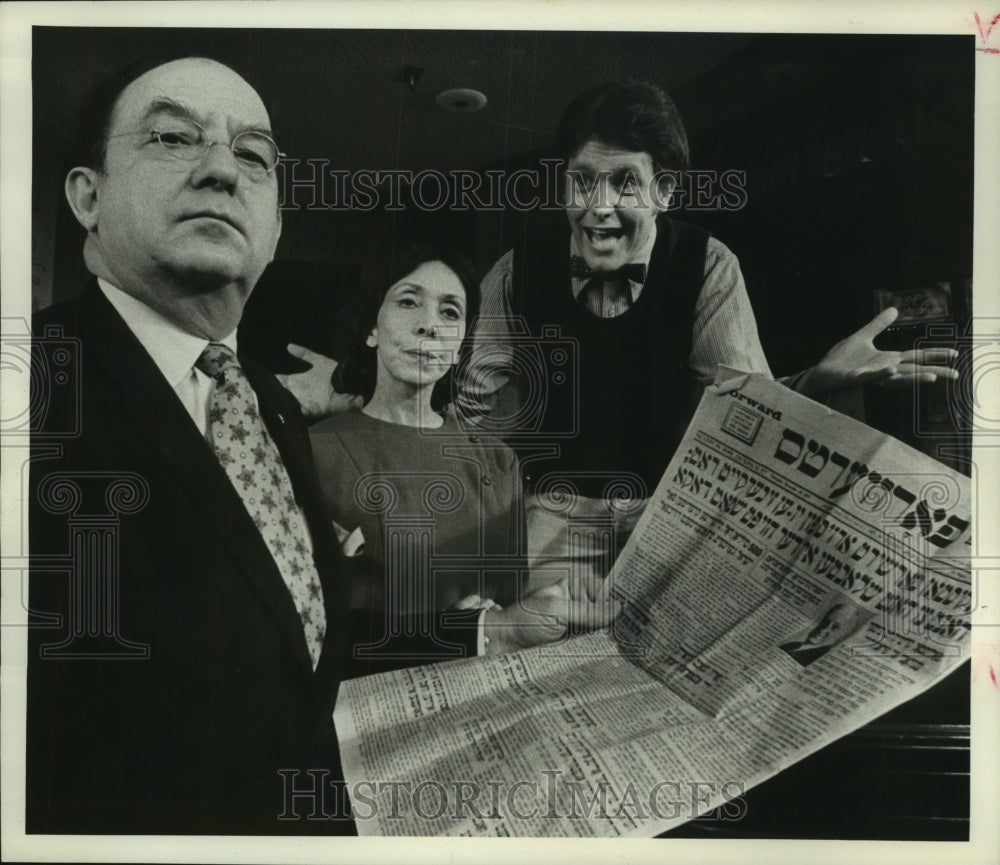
{"x": 461, "y": 100}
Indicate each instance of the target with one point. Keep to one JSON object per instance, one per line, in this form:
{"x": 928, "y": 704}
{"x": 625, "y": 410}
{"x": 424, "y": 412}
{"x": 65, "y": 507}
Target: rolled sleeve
{"x": 725, "y": 330}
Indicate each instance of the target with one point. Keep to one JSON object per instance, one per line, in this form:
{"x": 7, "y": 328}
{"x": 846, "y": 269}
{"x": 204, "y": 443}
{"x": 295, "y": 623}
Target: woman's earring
{"x": 371, "y": 340}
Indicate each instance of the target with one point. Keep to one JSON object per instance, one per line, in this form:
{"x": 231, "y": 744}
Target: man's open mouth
{"x": 603, "y": 234}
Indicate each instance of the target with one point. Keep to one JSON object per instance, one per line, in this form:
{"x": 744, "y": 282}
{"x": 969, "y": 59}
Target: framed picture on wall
{"x": 929, "y": 301}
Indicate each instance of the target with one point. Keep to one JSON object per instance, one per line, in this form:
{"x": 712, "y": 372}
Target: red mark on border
{"x": 985, "y": 34}
{"x": 993, "y": 676}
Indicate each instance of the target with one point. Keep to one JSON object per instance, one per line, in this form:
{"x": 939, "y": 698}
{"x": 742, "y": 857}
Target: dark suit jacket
{"x": 805, "y": 653}
{"x": 176, "y": 682}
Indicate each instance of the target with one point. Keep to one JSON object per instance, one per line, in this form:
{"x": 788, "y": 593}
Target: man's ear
{"x": 82, "y": 188}
{"x": 277, "y": 237}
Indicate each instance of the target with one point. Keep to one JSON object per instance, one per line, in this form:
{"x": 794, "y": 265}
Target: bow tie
{"x": 580, "y": 270}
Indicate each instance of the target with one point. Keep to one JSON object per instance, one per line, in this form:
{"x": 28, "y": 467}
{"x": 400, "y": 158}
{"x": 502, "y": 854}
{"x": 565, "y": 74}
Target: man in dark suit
{"x": 836, "y": 623}
{"x": 177, "y": 679}
{"x": 188, "y": 620}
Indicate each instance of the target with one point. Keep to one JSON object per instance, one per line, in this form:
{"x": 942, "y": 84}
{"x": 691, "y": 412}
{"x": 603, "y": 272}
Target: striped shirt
{"x": 724, "y": 331}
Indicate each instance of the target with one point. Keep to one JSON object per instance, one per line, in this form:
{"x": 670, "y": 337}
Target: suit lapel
{"x": 161, "y": 419}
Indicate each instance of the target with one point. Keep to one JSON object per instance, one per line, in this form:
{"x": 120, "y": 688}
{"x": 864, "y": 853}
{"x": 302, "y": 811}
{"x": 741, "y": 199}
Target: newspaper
{"x": 795, "y": 575}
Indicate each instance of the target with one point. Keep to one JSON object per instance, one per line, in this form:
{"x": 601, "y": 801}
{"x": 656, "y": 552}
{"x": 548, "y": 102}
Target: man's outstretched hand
{"x": 855, "y": 361}
{"x": 314, "y": 388}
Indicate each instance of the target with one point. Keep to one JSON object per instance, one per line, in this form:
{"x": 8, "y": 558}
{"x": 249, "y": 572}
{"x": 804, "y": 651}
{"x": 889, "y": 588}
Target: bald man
{"x": 185, "y": 654}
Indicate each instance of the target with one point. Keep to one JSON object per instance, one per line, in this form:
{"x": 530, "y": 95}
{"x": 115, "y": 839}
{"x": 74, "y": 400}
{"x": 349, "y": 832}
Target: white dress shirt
{"x": 173, "y": 351}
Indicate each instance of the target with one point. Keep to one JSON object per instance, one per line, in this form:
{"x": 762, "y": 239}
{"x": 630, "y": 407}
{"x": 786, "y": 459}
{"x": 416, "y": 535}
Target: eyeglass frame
{"x": 207, "y": 144}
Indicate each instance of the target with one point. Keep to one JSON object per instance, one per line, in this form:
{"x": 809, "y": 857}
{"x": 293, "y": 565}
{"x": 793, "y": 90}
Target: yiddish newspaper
{"x": 795, "y": 575}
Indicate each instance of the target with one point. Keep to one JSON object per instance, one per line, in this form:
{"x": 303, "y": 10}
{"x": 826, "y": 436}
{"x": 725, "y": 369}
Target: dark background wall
{"x": 857, "y": 153}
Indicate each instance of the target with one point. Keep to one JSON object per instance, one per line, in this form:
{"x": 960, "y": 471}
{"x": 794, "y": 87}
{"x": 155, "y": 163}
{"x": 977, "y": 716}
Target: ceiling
{"x": 337, "y": 94}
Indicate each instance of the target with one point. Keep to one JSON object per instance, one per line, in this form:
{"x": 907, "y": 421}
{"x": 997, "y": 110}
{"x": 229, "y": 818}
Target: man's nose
{"x": 217, "y": 166}
{"x": 602, "y": 202}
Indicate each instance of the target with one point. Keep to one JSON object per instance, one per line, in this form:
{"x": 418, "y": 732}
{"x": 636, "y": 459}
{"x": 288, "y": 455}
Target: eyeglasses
{"x": 256, "y": 154}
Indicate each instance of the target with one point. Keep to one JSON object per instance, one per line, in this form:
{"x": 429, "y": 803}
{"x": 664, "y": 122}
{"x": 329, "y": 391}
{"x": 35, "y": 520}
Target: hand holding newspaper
{"x": 795, "y": 575}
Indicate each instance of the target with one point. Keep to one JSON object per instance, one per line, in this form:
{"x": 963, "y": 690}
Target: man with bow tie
{"x": 649, "y": 303}
{"x": 653, "y": 305}
{"x": 651, "y": 308}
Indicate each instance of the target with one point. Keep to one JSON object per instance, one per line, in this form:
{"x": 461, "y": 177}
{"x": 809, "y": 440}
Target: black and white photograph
{"x": 838, "y": 621}
{"x": 442, "y": 424}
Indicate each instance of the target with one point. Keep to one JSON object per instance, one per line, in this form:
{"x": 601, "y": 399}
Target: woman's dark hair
{"x": 633, "y": 115}
{"x": 356, "y": 374}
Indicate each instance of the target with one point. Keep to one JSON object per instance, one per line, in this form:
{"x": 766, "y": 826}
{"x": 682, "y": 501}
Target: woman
{"x": 431, "y": 516}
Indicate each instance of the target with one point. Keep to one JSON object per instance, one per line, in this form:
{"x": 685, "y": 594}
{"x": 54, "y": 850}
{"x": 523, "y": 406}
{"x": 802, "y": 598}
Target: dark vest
{"x": 623, "y": 409}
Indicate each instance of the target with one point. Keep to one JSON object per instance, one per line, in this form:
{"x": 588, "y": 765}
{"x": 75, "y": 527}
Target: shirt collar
{"x": 642, "y": 256}
{"x": 173, "y": 350}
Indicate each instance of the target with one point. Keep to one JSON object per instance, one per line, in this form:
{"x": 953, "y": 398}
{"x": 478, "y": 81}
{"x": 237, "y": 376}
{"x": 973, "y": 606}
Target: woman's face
{"x": 420, "y": 326}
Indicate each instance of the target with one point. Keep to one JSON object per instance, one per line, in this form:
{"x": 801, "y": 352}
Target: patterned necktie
{"x": 254, "y": 466}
